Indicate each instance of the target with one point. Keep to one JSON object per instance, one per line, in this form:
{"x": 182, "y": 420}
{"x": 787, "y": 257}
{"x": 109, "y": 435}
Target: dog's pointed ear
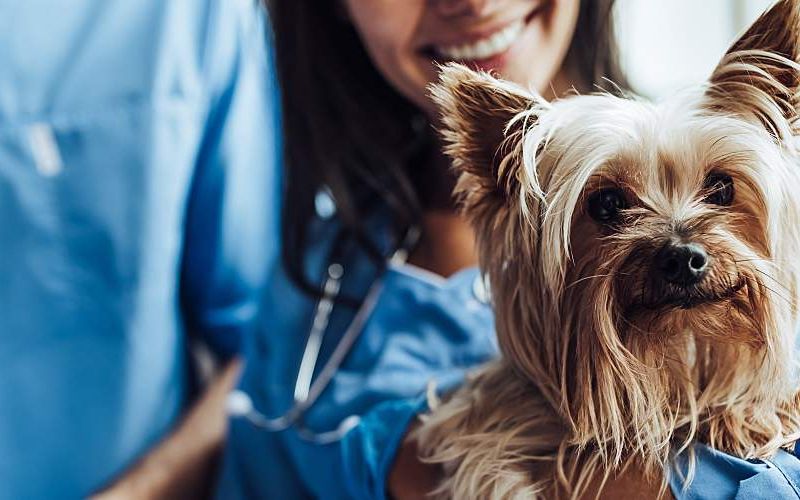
{"x": 481, "y": 125}
{"x": 760, "y": 73}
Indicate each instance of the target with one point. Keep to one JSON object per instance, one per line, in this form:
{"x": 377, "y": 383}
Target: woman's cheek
{"x": 388, "y": 30}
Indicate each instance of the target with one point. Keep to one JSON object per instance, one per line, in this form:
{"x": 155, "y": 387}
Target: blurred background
{"x": 667, "y": 45}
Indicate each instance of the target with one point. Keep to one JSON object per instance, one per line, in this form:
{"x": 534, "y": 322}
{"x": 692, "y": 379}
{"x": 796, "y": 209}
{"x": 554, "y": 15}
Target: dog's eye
{"x": 604, "y": 205}
{"x": 719, "y": 189}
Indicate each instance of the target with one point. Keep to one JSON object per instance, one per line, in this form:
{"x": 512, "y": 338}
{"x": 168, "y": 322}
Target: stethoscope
{"x": 306, "y": 389}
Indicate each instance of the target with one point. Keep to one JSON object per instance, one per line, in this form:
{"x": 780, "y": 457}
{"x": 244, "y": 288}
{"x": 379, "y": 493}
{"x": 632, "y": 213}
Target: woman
{"x": 365, "y": 181}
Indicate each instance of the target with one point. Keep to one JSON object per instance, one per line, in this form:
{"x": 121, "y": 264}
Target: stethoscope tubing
{"x": 322, "y": 312}
{"x": 306, "y": 391}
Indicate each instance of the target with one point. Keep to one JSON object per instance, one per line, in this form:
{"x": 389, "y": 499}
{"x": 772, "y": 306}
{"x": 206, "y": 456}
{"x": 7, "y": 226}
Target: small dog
{"x": 644, "y": 269}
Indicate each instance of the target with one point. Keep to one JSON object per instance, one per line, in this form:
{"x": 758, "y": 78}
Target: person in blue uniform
{"x": 377, "y": 300}
{"x": 137, "y": 212}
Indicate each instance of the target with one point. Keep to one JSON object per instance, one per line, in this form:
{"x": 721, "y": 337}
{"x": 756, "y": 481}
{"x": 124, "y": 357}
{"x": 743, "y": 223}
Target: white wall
{"x": 666, "y": 45}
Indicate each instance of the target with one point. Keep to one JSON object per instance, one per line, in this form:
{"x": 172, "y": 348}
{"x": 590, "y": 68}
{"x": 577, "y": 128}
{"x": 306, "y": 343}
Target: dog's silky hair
{"x": 592, "y": 380}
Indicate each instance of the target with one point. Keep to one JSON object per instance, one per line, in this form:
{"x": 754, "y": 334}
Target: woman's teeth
{"x": 485, "y": 48}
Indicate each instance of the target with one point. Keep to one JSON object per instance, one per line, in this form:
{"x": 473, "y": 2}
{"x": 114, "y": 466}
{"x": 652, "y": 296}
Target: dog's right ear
{"x": 760, "y": 74}
{"x": 482, "y": 124}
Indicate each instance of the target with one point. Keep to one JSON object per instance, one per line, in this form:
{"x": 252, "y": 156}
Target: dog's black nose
{"x": 682, "y": 264}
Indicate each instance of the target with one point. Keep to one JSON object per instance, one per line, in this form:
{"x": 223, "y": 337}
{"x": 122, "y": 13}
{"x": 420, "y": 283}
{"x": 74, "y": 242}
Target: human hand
{"x": 181, "y": 466}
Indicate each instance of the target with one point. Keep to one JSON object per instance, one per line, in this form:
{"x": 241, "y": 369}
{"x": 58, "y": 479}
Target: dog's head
{"x": 644, "y": 257}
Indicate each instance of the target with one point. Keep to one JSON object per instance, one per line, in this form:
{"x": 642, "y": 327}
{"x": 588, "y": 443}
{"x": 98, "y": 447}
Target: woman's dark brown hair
{"x": 347, "y": 129}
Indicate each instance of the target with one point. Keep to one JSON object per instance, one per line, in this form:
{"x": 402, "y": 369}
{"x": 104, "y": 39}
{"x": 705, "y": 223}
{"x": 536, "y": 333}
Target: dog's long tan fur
{"x": 592, "y": 380}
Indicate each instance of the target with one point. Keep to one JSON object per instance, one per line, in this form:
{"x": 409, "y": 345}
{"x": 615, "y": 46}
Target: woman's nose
{"x": 460, "y": 7}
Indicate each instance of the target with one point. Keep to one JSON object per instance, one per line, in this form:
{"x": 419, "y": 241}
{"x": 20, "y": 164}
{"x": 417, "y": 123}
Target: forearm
{"x": 182, "y": 465}
{"x": 410, "y": 478}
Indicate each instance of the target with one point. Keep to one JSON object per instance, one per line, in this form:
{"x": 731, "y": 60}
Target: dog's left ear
{"x": 481, "y": 126}
{"x": 760, "y": 73}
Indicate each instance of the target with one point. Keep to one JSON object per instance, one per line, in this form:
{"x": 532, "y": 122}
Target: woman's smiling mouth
{"x": 487, "y": 50}
{"x": 484, "y": 48}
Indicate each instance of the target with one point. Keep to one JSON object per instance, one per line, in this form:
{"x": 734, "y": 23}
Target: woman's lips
{"x": 488, "y": 52}
{"x": 484, "y": 48}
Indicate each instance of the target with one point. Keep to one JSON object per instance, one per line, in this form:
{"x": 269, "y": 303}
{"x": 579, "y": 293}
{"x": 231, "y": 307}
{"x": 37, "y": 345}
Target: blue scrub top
{"x": 423, "y": 328}
{"x": 137, "y": 206}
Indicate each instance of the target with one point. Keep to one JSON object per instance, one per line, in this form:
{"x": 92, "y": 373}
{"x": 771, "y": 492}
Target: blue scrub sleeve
{"x": 231, "y": 225}
{"x": 369, "y": 449}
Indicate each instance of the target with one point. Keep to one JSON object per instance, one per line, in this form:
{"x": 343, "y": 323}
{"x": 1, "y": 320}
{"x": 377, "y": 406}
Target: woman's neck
{"x": 447, "y": 245}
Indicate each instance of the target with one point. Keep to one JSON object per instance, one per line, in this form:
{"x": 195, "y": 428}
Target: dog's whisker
{"x": 595, "y": 276}
{"x": 777, "y": 282}
{"x": 761, "y": 259}
{"x": 778, "y": 294}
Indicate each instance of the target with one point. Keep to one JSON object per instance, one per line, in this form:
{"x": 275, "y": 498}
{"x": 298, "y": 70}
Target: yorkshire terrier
{"x": 644, "y": 269}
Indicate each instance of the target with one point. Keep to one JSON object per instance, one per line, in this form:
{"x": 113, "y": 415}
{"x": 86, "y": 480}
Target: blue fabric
{"x": 423, "y": 328}
{"x": 719, "y": 476}
{"x": 138, "y": 205}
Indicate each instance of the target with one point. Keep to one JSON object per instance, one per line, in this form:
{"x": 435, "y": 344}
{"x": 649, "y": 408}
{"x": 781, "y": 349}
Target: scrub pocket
{"x": 82, "y": 194}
